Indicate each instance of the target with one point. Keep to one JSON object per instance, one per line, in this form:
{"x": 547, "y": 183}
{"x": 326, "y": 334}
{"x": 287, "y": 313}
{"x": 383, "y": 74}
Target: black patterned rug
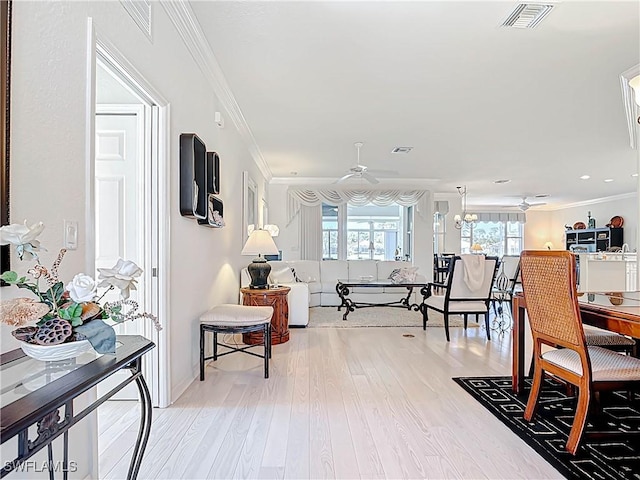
{"x": 599, "y": 457}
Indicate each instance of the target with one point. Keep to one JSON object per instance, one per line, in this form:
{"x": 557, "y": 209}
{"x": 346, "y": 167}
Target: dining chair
{"x": 549, "y": 287}
{"x": 459, "y": 297}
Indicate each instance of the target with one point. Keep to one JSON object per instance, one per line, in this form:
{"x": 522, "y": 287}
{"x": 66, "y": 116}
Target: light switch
{"x": 70, "y": 235}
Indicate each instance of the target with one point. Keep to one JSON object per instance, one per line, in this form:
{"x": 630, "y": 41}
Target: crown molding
{"x": 412, "y": 183}
{"x": 612, "y": 198}
{"x": 185, "y": 22}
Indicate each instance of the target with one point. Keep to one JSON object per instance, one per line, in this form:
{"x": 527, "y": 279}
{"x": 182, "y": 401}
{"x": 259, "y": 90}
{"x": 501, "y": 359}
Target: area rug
{"x": 597, "y": 458}
{"x": 378, "y": 317}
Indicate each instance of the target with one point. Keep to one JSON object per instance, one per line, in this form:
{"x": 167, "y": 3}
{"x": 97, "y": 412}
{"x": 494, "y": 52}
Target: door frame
{"x": 160, "y": 152}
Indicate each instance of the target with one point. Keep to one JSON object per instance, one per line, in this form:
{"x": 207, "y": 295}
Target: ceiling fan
{"x": 362, "y": 171}
{"x": 524, "y": 205}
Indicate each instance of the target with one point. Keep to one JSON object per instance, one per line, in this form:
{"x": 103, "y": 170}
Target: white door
{"x": 120, "y": 199}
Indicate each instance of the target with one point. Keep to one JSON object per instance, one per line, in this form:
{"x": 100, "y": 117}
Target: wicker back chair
{"x": 549, "y": 286}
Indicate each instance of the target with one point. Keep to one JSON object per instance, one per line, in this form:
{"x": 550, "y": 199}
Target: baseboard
{"x": 182, "y": 386}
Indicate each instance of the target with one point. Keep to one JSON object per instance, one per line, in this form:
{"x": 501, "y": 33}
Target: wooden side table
{"x": 272, "y": 297}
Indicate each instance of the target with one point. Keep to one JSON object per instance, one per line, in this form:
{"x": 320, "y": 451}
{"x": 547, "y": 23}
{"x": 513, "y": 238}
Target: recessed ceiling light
{"x": 401, "y": 149}
{"x": 608, "y": 180}
{"x": 503, "y": 180}
{"x": 634, "y": 174}
{"x": 585, "y": 177}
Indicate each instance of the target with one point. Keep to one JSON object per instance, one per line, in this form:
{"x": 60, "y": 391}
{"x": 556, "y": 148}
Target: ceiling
{"x": 476, "y": 101}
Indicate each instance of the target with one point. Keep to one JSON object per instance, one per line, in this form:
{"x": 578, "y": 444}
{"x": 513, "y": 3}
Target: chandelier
{"x": 465, "y": 218}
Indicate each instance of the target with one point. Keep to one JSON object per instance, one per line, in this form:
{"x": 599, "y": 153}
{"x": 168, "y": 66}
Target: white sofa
{"x": 316, "y": 283}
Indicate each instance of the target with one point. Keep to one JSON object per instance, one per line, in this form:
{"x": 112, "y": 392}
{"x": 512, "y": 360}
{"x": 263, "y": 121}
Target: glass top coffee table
{"x": 345, "y": 287}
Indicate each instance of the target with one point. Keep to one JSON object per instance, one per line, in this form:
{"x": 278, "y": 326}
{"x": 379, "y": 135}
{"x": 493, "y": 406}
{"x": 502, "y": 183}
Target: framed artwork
{"x": 249, "y": 205}
{"x": 5, "y": 69}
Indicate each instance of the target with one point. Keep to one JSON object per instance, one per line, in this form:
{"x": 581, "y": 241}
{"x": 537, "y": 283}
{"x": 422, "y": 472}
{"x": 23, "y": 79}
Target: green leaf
{"x": 76, "y": 322}
{"x": 101, "y": 335}
{"x": 9, "y": 276}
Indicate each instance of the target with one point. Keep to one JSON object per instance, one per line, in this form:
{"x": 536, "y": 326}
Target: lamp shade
{"x": 260, "y": 243}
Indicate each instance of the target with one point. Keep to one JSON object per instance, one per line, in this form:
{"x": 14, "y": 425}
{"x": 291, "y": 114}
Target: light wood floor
{"x": 340, "y": 403}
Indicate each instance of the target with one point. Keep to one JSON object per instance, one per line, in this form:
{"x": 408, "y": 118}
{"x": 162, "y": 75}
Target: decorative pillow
{"x": 302, "y": 276}
{"x": 403, "y": 275}
{"x": 284, "y": 275}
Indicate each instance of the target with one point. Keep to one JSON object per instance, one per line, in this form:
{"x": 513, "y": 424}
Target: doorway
{"x": 129, "y": 185}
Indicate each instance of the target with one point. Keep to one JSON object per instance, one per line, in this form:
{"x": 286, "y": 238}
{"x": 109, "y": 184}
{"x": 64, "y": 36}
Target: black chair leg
{"x": 201, "y": 353}
{"x": 486, "y": 324}
{"x": 446, "y": 325}
{"x": 466, "y": 320}
{"x": 425, "y": 318}
{"x": 215, "y": 346}
{"x": 267, "y": 348}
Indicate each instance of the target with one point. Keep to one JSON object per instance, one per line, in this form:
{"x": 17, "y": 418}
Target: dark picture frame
{"x": 5, "y": 72}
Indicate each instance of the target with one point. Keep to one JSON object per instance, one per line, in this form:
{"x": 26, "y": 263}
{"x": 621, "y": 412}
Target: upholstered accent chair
{"x": 462, "y": 297}
{"x": 549, "y": 286}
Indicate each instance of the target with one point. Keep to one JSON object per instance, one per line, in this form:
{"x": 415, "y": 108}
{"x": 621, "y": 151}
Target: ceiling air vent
{"x": 527, "y": 15}
{"x": 401, "y": 149}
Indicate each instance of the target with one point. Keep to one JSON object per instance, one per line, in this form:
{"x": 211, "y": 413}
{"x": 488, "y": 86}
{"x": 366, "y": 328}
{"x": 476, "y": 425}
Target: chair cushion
{"x": 598, "y": 337}
{"x": 229, "y": 315}
{"x": 437, "y": 302}
{"x": 606, "y": 366}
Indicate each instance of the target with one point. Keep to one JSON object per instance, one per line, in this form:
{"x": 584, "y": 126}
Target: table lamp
{"x": 476, "y": 248}
{"x": 259, "y": 243}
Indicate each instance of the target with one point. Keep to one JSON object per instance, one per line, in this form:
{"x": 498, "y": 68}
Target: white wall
{"x": 548, "y": 226}
{"x": 49, "y": 159}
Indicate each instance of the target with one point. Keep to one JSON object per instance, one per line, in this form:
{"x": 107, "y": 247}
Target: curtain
{"x": 310, "y": 232}
{"x": 502, "y": 217}
{"x": 298, "y": 197}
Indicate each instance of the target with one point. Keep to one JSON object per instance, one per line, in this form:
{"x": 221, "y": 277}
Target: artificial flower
{"x": 122, "y": 275}
{"x": 73, "y": 308}
{"x": 82, "y": 288}
{"x": 23, "y": 237}
{"x": 21, "y": 311}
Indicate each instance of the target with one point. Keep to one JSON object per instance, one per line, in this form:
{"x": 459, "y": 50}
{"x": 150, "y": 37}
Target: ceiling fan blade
{"x": 389, "y": 173}
{"x": 370, "y": 178}
{"x": 346, "y": 177}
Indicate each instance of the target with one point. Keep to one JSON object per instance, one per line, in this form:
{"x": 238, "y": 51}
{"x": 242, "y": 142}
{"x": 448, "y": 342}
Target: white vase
{"x": 52, "y": 353}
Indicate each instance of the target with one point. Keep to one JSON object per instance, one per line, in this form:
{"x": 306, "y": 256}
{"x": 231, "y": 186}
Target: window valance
{"x": 502, "y": 217}
{"x": 298, "y": 196}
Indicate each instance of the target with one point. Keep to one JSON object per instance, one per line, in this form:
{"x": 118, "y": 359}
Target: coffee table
{"x": 344, "y": 288}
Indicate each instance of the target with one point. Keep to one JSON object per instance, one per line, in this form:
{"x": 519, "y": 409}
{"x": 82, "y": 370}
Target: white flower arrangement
{"x": 66, "y": 313}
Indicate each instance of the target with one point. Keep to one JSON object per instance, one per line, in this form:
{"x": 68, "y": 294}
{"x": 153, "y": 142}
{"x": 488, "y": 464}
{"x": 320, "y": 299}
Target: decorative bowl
{"x": 52, "y": 353}
{"x": 579, "y": 226}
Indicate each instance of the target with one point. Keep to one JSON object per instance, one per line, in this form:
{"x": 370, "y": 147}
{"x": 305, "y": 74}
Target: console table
{"x": 34, "y": 392}
{"x": 275, "y": 297}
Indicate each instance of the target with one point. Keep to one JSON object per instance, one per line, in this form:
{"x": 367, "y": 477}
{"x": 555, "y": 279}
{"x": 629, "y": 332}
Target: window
{"x": 439, "y": 230}
{"x": 371, "y": 232}
{"x": 329, "y": 232}
{"x": 496, "y": 238}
